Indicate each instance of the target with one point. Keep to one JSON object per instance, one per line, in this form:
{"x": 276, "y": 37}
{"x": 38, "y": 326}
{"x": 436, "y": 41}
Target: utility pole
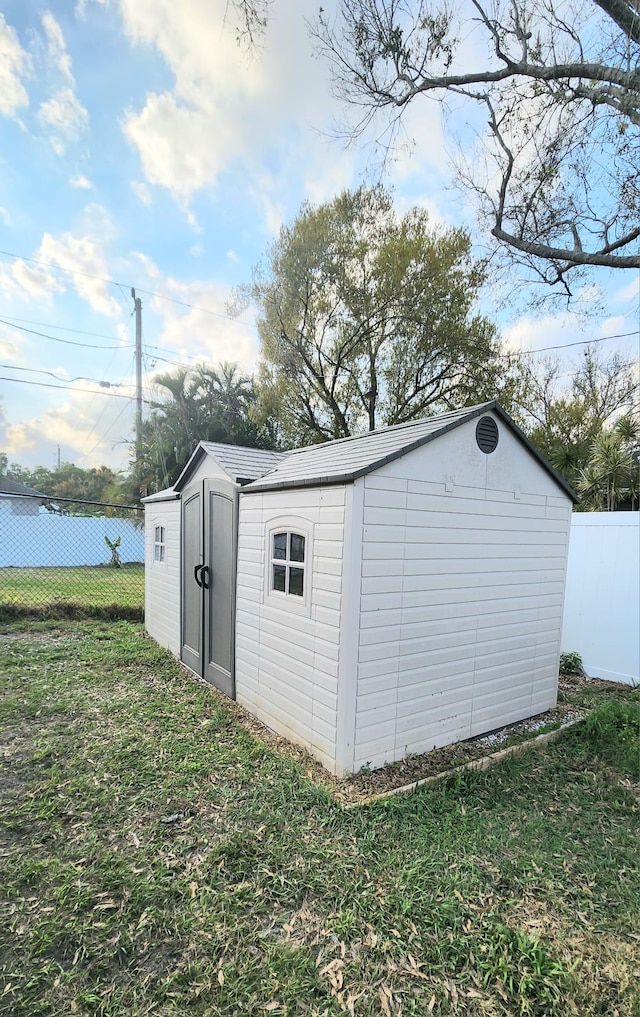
{"x": 138, "y": 311}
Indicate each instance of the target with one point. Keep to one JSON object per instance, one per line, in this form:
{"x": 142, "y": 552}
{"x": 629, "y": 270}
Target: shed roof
{"x": 346, "y": 459}
{"x": 242, "y": 464}
{"x": 14, "y": 488}
{"x": 167, "y": 495}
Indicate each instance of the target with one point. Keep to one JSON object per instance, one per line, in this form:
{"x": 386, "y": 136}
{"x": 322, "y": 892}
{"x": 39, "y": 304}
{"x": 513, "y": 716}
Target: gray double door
{"x": 208, "y": 581}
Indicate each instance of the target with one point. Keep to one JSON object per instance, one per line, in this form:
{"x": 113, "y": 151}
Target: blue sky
{"x": 140, "y": 144}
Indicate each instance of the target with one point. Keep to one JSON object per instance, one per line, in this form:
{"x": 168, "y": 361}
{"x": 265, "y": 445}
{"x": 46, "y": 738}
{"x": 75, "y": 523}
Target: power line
{"x": 113, "y": 282}
{"x": 95, "y": 346}
{"x": 154, "y": 424}
{"x": 195, "y": 307}
{"x": 63, "y": 328}
{"x": 89, "y": 391}
{"x": 84, "y": 455}
{"x": 67, "y": 342}
{"x": 182, "y": 363}
{"x": 166, "y": 360}
{"x": 67, "y": 381}
{"x": 226, "y": 317}
{"x": 58, "y": 268}
{"x": 566, "y": 346}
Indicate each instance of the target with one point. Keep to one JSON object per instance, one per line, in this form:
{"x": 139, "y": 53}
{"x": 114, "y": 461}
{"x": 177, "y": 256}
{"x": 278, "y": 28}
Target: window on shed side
{"x": 159, "y": 544}
{"x": 288, "y": 563}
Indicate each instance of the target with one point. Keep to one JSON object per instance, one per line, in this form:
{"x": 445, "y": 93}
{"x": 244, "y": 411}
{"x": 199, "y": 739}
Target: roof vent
{"x": 487, "y": 434}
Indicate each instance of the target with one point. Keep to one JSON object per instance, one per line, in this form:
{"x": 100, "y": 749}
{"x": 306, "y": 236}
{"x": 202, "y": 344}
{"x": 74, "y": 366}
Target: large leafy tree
{"x": 368, "y": 319}
{"x": 206, "y": 404}
{"x": 557, "y": 86}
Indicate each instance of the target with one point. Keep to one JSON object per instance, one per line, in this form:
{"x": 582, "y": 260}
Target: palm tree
{"x": 610, "y": 476}
{"x": 207, "y": 404}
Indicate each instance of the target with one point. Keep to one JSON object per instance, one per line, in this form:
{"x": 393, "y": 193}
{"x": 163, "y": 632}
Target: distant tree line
{"x": 99, "y": 484}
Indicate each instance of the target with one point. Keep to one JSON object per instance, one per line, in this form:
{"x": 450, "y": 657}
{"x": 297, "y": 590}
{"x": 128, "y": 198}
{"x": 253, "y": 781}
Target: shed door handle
{"x": 205, "y": 576}
{"x": 196, "y": 573}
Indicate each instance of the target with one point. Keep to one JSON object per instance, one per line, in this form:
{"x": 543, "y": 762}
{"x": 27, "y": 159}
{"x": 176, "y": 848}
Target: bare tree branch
{"x": 561, "y": 84}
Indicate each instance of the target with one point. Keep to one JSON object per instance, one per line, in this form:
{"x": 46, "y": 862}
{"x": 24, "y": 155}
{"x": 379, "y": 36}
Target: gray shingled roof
{"x": 13, "y": 487}
{"x": 346, "y": 459}
{"x": 168, "y": 494}
{"x": 242, "y": 464}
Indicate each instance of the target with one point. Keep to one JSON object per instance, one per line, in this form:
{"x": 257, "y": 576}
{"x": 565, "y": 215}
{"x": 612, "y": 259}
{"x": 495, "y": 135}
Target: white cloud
{"x": 194, "y": 333}
{"x": 56, "y": 45}
{"x": 170, "y": 138}
{"x": 91, "y": 429}
{"x": 193, "y": 222}
{"x": 18, "y": 439}
{"x": 66, "y": 118}
{"x": 196, "y": 250}
{"x": 615, "y": 325}
{"x": 232, "y": 256}
{"x": 590, "y": 294}
{"x": 329, "y": 167}
{"x": 80, "y": 252}
{"x": 84, "y": 255}
{"x": 81, "y": 7}
{"x": 561, "y": 330}
{"x": 230, "y": 111}
{"x": 11, "y": 342}
{"x": 197, "y": 335}
{"x": 124, "y": 335}
{"x": 551, "y": 330}
{"x": 63, "y": 115}
{"x": 630, "y": 291}
{"x": 141, "y": 192}
{"x": 5, "y": 216}
{"x": 403, "y": 203}
{"x": 81, "y": 183}
{"x": 28, "y": 282}
{"x": 15, "y": 64}
{"x": 265, "y": 194}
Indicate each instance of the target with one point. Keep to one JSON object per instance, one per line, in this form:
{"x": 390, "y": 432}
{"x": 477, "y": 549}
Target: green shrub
{"x": 571, "y": 663}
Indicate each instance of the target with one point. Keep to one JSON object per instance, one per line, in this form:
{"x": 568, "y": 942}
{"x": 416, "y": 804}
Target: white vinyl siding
{"x": 460, "y": 599}
{"x": 286, "y": 662}
{"x": 162, "y": 578}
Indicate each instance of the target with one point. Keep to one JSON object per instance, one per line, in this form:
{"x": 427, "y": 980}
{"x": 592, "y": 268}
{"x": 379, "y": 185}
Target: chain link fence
{"x": 63, "y": 558}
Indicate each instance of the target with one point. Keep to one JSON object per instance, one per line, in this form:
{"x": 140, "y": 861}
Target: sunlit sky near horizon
{"x": 141, "y": 146}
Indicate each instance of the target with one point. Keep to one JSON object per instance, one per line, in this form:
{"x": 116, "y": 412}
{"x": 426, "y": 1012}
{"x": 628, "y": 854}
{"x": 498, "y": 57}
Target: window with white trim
{"x": 159, "y": 544}
{"x": 288, "y": 563}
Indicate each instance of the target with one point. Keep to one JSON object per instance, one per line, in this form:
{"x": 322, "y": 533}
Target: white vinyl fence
{"x": 602, "y": 602}
{"x": 56, "y": 540}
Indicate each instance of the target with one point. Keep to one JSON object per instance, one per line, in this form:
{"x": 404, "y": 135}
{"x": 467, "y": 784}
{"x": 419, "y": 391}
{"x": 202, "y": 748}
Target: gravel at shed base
{"x": 357, "y": 788}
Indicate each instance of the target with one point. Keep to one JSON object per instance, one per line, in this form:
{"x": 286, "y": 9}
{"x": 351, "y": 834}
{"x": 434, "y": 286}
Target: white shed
{"x": 392, "y": 592}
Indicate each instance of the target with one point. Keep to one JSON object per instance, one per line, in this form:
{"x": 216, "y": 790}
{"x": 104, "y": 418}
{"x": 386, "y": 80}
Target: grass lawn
{"x": 155, "y": 859}
{"x": 58, "y": 590}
